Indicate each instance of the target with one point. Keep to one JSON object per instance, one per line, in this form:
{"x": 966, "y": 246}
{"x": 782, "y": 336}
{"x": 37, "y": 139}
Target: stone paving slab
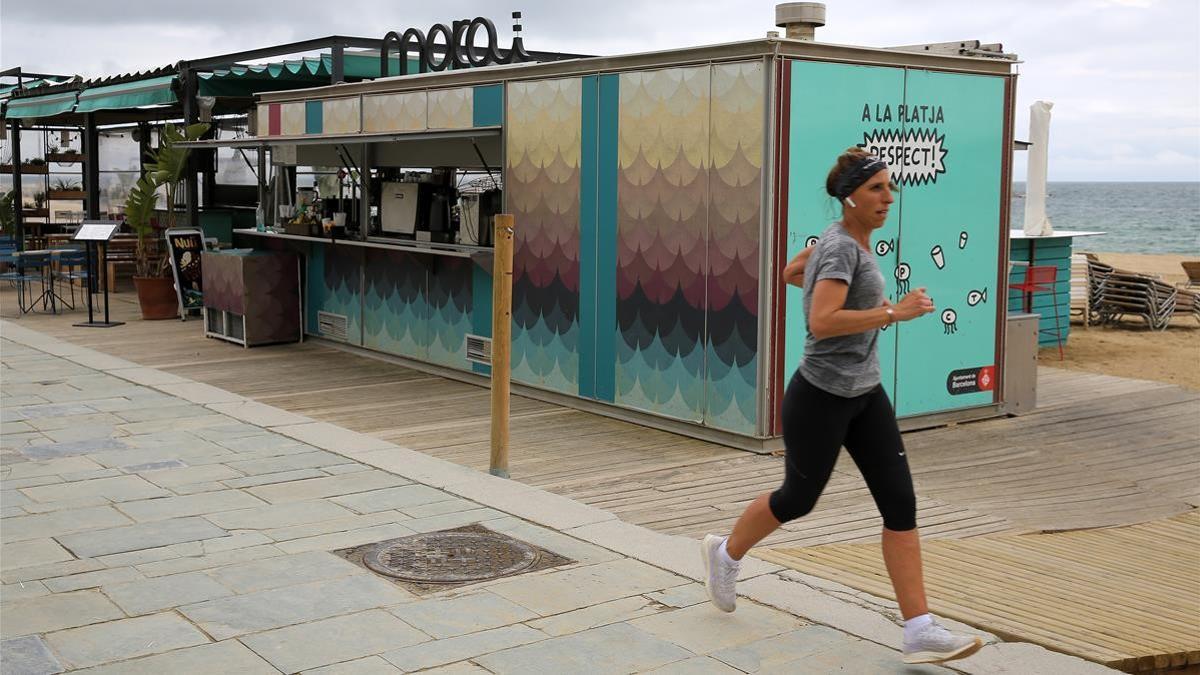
{"x": 116, "y": 488}
{"x": 124, "y": 639}
{"x": 57, "y": 612}
{"x": 61, "y": 523}
{"x": 32, "y": 552}
{"x": 560, "y": 591}
{"x": 96, "y": 579}
{"x": 38, "y": 572}
{"x": 26, "y": 656}
{"x": 817, "y": 650}
{"x": 471, "y": 613}
{"x": 621, "y": 648}
{"x": 371, "y": 665}
{"x": 594, "y": 616}
{"x": 276, "y": 516}
{"x": 142, "y": 535}
{"x": 285, "y": 570}
{"x": 392, "y": 498}
{"x": 151, "y": 510}
{"x": 152, "y": 595}
{"x": 328, "y": 641}
{"x": 450, "y": 650}
{"x": 332, "y": 486}
{"x": 193, "y": 563}
{"x": 229, "y": 656}
{"x": 264, "y": 610}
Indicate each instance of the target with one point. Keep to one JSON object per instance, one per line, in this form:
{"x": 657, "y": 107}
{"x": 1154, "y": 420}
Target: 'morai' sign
{"x": 460, "y": 52}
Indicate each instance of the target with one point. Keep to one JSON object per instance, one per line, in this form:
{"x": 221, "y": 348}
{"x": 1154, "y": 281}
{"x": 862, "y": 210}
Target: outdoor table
{"x": 44, "y": 260}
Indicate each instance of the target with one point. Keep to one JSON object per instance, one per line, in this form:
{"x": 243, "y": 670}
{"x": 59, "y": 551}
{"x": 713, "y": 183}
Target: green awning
{"x": 292, "y": 74}
{"x": 137, "y": 94}
{"x": 7, "y": 90}
{"x": 32, "y": 107}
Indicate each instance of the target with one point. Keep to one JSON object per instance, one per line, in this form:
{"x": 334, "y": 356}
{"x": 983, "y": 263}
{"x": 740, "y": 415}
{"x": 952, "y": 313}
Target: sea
{"x": 1135, "y": 217}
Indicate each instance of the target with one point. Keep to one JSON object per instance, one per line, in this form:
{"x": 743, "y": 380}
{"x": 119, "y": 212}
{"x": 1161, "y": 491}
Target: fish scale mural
{"x": 418, "y": 306}
{"x": 542, "y": 184}
{"x": 688, "y": 183}
{"x": 333, "y": 286}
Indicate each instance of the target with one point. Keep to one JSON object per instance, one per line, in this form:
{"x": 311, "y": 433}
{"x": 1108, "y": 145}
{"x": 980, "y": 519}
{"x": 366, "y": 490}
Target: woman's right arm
{"x": 828, "y": 316}
{"x": 794, "y": 272}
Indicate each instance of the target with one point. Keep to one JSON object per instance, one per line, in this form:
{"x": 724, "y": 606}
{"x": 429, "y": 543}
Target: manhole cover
{"x": 450, "y": 557}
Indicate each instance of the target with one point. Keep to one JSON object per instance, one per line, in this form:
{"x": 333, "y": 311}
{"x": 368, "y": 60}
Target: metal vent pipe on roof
{"x": 801, "y": 19}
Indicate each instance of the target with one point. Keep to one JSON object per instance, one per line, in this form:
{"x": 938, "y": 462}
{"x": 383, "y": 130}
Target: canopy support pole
{"x": 18, "y": 203}
{"x": 91, "y": 167}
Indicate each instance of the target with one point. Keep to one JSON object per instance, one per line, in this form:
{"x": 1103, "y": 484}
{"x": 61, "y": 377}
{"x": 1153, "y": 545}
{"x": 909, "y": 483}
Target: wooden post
{"x": 502, "y": 270}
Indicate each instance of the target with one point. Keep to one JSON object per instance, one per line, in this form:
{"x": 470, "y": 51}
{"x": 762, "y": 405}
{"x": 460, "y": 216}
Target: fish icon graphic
{"x": 810, "y": 242}
{"x": 976, "y": 297}
{"x": 885, "y": 246}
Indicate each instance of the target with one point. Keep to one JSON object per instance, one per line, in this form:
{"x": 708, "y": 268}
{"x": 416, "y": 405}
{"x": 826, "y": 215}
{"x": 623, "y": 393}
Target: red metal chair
{"x": 1040, "y": 279}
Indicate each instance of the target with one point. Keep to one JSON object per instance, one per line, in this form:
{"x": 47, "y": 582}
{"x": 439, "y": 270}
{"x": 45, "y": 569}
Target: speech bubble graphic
{"x": 915, "y": 157}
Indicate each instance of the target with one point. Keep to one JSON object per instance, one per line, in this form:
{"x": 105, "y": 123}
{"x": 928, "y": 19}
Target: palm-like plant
{"x": 139, "y": 209}
{"x": 169, "y": 161}
{"x": 165, "y": 168}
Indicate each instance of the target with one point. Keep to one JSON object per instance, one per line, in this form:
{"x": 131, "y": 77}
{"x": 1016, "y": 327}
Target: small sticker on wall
{"x": 971, "y": 380}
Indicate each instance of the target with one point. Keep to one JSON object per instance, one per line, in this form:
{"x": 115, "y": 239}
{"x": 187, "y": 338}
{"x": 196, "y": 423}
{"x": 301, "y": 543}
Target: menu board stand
{"x": 92, "y": 232}
{"x": 184, "y": 248}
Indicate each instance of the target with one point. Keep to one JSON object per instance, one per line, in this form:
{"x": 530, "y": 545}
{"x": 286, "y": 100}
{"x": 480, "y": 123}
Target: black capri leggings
{"x": 816, "y": 424}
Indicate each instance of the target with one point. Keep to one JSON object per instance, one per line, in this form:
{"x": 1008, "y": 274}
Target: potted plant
{"x": 156, "y": 292}
{"x": 7, "y": 216}
{"x": 64, "y": 188}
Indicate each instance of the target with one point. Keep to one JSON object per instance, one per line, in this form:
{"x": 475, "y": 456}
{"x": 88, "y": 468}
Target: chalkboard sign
{"x": 184, "y": 246}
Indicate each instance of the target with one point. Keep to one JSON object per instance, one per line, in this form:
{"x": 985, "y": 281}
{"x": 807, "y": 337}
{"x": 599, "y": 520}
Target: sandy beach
{"x": 1130, "y": 349}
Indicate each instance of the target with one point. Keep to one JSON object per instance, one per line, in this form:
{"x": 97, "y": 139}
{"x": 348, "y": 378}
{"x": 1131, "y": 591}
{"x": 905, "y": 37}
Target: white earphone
{"x": 851, "y": 202}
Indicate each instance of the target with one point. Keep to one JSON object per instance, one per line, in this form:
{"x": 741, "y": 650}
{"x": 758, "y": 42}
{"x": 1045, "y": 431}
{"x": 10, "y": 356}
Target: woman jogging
{"x": 835, "y": 399}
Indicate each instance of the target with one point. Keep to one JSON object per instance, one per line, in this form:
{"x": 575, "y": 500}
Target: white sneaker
{"x": 720, "y": 577}
{"x": 934, "y": 644}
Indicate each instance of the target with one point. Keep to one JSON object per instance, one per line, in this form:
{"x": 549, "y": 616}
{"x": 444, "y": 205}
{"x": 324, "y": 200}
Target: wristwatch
{"x": 891, "y": 313}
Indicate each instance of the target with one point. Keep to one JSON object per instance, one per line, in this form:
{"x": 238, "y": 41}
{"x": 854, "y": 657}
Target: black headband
{"x": 856, "y": 174}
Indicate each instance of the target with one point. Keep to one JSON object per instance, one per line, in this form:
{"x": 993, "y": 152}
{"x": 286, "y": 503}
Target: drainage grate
{"x": 434, "y": 561}
{"x": 450, "y": 557}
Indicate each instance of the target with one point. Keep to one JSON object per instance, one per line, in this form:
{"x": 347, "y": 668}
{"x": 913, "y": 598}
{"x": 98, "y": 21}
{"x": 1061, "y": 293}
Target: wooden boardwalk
{"x": 1128, "y": 597}
{"x": 1098, "y": 452}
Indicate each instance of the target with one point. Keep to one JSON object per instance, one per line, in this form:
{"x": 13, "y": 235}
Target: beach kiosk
{"x": 657, "y": 196}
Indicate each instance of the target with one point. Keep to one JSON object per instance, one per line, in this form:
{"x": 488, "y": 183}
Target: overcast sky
{"x": 1124, "y": 75}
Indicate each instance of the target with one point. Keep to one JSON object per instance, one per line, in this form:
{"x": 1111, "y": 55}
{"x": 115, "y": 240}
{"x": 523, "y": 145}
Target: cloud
{"x": 1121, "y": 72}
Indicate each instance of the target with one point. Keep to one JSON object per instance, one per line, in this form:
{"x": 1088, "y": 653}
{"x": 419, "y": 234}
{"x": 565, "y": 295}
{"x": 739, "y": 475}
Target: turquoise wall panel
{"x": 950, "y": 237}
{"x": 608, "y": 101}
{"x": 488, "y": 108}
{"x": 587, "y": 238}
{"x": 1056, "y": 252}
{"x": 314, "y": 117}
{"x": 833, "y": 107}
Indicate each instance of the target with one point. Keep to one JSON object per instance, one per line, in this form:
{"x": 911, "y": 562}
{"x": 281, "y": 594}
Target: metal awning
{"x": 136, "y": 94}
{"x": 31, "y": 107}
{"x": 345, "y": 139}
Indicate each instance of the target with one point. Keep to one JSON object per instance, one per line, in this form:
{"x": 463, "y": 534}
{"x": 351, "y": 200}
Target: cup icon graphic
{"x": 938, "y": 258}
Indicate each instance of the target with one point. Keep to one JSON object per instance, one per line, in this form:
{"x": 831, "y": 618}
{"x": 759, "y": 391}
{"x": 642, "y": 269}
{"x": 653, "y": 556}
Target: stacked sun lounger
{"x": 1117, "y": 293}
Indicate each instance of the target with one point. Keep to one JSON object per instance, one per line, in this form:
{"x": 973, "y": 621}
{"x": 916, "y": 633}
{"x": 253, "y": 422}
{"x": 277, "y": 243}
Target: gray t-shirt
{"x": 846, "y": 365}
